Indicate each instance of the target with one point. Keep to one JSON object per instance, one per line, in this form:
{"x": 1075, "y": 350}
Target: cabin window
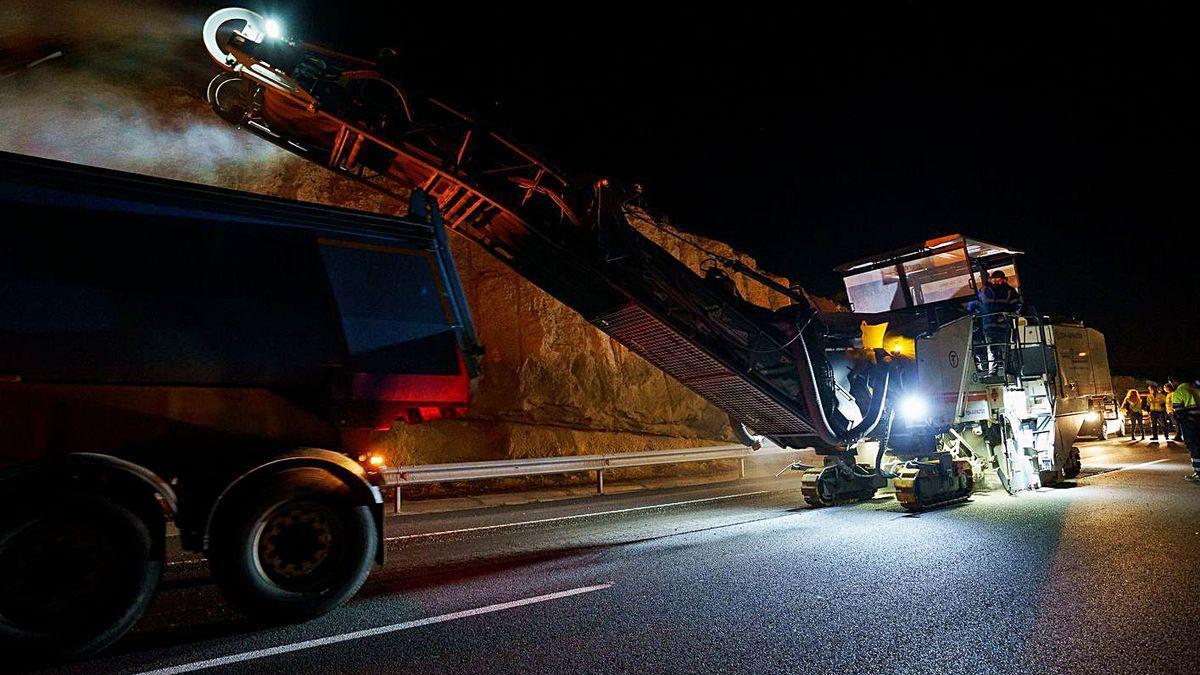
{"x": 392, "y": 310}
{"x": 938, "y": 277}
{"x": 1010, "y": 272}
{"x": 875, "y": 290}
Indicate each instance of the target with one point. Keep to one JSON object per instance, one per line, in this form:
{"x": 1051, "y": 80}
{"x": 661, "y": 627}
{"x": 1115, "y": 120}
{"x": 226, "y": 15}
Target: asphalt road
{"x": 1099, "y": 576}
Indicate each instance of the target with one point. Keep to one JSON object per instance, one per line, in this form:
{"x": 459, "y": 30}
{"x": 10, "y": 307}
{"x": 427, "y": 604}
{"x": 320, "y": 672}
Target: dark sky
{"x": 807, "y": 139}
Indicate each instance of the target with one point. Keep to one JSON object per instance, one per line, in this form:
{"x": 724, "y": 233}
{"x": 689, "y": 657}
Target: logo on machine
{"x": 953, "y": 359}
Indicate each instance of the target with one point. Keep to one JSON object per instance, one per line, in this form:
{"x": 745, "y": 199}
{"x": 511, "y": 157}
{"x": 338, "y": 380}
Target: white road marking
{"x": 44, "y": 59}
{"x": 573, "y": 517}
{"x": 442, "y": 533}
{"x": 1126, "y": 468}
{"x": 370, "y": 632}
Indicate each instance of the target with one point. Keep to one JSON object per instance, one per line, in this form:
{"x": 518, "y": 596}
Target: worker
{"x": 1156, "y": 403}
{"x": 996, "y": 300}
{"x": 1173, "y": 432}
{"x": 1133, "y": 414}
{"x": 999, "y": 296}
{"x": 1185, "y": 399}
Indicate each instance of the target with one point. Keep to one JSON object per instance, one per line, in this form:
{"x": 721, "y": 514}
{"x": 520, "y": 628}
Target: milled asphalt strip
{"x": 370, "y": 632}
{"x": 555, "y": 519}
{"x": 1135, "y": 466}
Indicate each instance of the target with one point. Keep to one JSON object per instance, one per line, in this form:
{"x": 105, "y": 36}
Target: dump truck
{"x": 177, "y": 353}
{"x": 1087, "y": 387}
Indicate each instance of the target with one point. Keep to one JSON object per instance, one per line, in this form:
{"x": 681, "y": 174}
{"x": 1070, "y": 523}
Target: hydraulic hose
{"x": 883, "y": 444}
{"x": 875, "y": 412}
{"x": 821, "y": 425}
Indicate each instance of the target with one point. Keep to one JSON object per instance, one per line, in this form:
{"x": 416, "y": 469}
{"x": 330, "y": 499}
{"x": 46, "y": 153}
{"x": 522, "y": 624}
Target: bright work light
{"x": 914, "y": 408}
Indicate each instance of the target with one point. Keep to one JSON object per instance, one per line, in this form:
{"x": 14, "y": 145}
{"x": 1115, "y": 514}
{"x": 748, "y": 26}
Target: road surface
{"x": 1098, "y": 576}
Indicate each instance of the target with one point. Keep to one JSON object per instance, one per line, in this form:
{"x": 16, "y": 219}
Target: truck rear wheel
{"x": 292, "y": 547}
{"x": 1074, "y": 463}
{"x": 74, "y": 577}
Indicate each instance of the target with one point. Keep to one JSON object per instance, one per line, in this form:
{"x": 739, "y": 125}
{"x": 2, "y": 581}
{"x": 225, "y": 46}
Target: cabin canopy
{"x": 937, "y": 270}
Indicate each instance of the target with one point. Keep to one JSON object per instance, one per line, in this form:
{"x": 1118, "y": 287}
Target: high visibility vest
{"x": 1134, "y": 404}
{"x": 1156, "y": 402}
{"x": 1184, "y": 396}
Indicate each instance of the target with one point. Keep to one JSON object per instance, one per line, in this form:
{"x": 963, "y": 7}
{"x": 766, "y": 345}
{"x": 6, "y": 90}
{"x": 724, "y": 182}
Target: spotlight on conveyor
{"x": 251, "y": 25}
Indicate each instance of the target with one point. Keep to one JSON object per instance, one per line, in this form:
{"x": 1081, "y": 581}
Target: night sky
{"x": 808, "y": 139}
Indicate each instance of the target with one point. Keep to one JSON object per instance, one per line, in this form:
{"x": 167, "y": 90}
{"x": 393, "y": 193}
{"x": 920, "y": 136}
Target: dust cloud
{"x": 118, "y": 85}
{"x": 128, "y": 93}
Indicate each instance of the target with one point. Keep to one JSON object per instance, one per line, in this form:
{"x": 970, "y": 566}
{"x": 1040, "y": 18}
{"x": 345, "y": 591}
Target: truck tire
{"x": 292, "y": 546}
{"x": 75, "y": 575}
{"x": 1074, "y": 464}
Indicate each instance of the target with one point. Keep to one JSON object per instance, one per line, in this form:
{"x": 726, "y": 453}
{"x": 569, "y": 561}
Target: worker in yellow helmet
{"x": 1185, "y": 399}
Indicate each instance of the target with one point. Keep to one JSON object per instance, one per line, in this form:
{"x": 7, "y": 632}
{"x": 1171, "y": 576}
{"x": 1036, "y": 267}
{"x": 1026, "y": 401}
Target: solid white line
{"x": 442, "y": 533}
{"x": 370, "y": 632}
{"x": 44, "y": 59}
{"x": 573, "y": 517}
{"x": 1126, "y": 468}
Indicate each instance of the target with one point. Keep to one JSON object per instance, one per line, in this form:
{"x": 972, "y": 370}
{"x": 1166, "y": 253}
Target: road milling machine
{"x": 796, "y": 376}
{"x": 1015, "y": 404}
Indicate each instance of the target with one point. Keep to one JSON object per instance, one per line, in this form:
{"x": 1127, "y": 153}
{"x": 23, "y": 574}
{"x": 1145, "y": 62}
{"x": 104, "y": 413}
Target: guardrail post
{"x": 397, "y": 499}
{"x": 599, "y": 481}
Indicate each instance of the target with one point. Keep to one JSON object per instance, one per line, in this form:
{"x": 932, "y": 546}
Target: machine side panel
{"x": 943, "y": 366}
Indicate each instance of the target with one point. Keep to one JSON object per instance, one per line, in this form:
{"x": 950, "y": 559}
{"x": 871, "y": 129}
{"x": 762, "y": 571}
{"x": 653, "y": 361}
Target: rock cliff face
{"x": 127, "y": 93}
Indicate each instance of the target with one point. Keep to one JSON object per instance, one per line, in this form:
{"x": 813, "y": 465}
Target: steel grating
{"x": 666, "y": 349}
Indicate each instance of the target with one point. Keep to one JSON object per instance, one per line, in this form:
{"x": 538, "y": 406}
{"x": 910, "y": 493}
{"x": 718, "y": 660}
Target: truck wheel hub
{"x": 297, "y": 541}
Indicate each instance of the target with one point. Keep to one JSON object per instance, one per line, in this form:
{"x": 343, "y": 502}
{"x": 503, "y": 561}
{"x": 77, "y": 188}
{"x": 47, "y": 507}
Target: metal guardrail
{"x": 398, "y": 477}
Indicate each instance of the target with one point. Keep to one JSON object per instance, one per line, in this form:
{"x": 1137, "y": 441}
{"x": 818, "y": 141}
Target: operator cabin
{"x": 941, "y": 269}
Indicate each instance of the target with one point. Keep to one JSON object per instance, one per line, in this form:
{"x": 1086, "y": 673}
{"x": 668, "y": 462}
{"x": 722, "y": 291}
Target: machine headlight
{"x": 914, "y": 408}
{"x": 272, "y": 28}
{"x": 1093, "y": 416}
